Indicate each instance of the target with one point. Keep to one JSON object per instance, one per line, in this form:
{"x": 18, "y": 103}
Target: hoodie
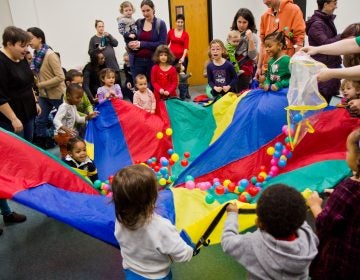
{"x": 265, "y": 257}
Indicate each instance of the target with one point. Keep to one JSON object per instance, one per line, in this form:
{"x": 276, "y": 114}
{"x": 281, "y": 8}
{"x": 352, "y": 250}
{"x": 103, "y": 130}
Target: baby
{"x": 350, "y": 91}
{"x": 183, "y": 81}
{"x": 143, "y": 97}
{"x": 233, "y": 41}
{"x": 126, "y": 23}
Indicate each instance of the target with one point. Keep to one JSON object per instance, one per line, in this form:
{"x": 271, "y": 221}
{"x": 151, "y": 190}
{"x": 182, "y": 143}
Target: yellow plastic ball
{"x": 175, "y": 157}
{"x": 226, "y": 182}
{"x": 263, "y": 174}
{"x": 283, "y": 157}
{"x": 270, "y": 151}
{"x": 162, "y": 181}
{"x": 169, "y": 131}
{"x": 159, "y": 135}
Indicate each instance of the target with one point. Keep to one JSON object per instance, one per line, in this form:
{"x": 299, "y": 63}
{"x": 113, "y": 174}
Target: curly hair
{"x": 124, "y": 5}
{"x": 72, "y": 142}
{"x": 278, "y": 36}
{"x": 163, "y": 49}
{"x": 281, "y": 210}
{"x": 135, "y": 192}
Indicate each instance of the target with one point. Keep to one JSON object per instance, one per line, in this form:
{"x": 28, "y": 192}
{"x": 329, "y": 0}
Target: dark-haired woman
{"x": 47, "y": 68}
{"x": 18, "y": 105}
{"x": 246, "y": 52}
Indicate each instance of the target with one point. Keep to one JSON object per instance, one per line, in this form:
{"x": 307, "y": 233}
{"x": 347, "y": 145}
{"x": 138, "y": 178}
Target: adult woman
{"x": 246, "y": 52}
{"x": 106, "y": 43}
{"x": 18, "y": 106}
{"x": 178, "y": 41}
{"x": 50, "y": 82}
{"x": 91, "y": 72}
{"x": 321, "y": 30}
{"x": 151, "y": 32}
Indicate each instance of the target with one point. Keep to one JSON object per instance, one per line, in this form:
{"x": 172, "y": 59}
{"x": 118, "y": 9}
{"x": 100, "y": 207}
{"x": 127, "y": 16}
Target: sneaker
{"x": 14, "y": 218}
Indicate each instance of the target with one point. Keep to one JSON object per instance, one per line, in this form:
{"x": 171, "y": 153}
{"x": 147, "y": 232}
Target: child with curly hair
{"x": 283, "y": 246}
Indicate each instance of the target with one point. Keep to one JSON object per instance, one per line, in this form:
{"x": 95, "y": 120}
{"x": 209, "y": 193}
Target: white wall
{"x": 69, "y": 24}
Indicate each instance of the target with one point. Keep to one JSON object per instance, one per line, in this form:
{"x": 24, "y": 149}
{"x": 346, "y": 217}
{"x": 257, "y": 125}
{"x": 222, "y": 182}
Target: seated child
{"x": 183, "y": 81}
{"x": 350, "y": 90}
{"x": 143, "y": 97}
{"x": 109, "y": 88}
{"x": 149, "y": 242}
{"x": 78, "y": 159}
{"x": 283, "y": 246}
{"x": 67, "y": 116}
{"x": 126, "y": 23}
{"x": 278, "y": 73}
{"x": 233, "y": 41}
{"x": 221, "y": 74}
{"x": 338, "y": 223}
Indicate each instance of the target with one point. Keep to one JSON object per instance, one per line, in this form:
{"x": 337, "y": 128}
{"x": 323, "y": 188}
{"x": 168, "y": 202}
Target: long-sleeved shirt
{"x": 145, "y": 100}
{"x": 103, "y": 92}
{"x": 67, "y": 116}
{"x": 278, "y": 72}
{"x": 221, "y": 75}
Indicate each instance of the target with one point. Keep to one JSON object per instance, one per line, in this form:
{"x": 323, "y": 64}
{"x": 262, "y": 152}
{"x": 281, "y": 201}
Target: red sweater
{"x": 177, "y": 45}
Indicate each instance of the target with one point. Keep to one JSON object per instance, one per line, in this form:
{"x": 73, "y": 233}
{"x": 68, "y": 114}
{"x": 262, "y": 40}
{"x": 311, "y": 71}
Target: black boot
{"x": 40, "y": 142}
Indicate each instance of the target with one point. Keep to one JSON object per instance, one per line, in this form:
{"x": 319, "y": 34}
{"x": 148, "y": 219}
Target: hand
{"x": 112, "y": 94}
{"x": 92, "y": 115}
{"x": 190, "y": 74}
{"x": 128, "y": 85}
{"x": 248, "y": 34}
{"x": 166, "y": 93}
{"x": 309, "y": 50}
{"x": 226, "y": 88}
{"x": 17, "y": 125}
{"x": 132, "y": 36}
{"x": 181, "y": 60}
{"x": 232, "y": 207}
{"x": 258, "y": 73}
{"x": 70, "y": 131}
{"x": 161, "y": 91}
{"x": 38, "y": 109}
{"x": 354, "y": 106}
{"x": 314, "y": 200}
{"x": 106, "y": 34}
{"x": 134, "y": 45}
{"x": 274, "y": 87}
{"x": 266, "y": 87}
{"x": 218, "y": 89}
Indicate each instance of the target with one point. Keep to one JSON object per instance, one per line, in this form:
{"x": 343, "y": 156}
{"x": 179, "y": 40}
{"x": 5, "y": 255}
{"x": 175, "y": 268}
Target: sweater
{"x": 66, "y": 115}
{"x": 150, "y": 249}
{"x": 265, "y": 257}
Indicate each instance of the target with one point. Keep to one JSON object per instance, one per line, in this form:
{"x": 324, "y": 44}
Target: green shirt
{"x": 357, "y": 40}
{"x": 278, "y": 72}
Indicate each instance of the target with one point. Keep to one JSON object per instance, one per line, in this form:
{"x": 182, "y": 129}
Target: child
{"x": 283, "y": 246}
{"x": 67, "y": 116}
{"x": 85, "y": 107}
{"x": 143, "y": 97}
{"x": 163, "y": 74}
{"x": 233, "y": 41}
{"x": 128, "y": 89}
{"x": 109, "y": 88}
{"x": 183, "y": 81}
{"x": 78, "y": 159}
{"x": 149, "y": 243}
{"x": 221, "y": 74}
{"x": 338, "y": 224}
{"x": 350, "y": 90}
{"x": 126, "y": 23}
{"x": 278, "y": 73}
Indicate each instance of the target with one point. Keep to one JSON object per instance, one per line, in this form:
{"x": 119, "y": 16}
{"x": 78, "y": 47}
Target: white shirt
{"x": 150, "y": 250}
{"x": 66, "y": 115}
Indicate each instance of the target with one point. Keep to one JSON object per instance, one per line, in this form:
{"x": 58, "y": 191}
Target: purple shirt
{"x": 103, "y": 92}
{"x": 338, "y": 228}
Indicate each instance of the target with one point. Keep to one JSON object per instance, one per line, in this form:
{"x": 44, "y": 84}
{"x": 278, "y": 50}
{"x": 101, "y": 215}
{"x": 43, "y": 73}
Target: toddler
{"x": 78, "y": 159}
{"x": 283, "y": 246}
{"x": 143, "y": 97}
{"x": 109, "y": 88}
{"x": 128, "y": 89}
{"x": 338, "y": 223}
{"x": 149, "y": 243}
{"x": 233, "y": 41}
{"x": 183, "y": 81}
{"x": 278, "y": 73}
{"x": 67, "y": 116}
{"x": 221, "y": 74}
{"x": 126, "y": 23}
{"x": 350, "y": 90}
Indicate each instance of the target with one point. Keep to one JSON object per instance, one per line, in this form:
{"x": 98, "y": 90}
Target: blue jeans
{"x": 41, "y": 121}
{"x": 4, "y": 207}
{"x": 183, "y": 90}
{"x": 142, "y": 65}
{"x": 130, "y": 275}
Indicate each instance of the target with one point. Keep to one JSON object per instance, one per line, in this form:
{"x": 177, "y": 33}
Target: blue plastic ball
{"x": 278, "y": 146}
{"x": 189, "y": 178}
{"x": 244, "y": 183}
{"x": 298, "y": 117}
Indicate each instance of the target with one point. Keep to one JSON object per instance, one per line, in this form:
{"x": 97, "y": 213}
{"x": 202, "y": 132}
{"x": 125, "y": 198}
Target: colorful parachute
{"x": 227, "y": 140}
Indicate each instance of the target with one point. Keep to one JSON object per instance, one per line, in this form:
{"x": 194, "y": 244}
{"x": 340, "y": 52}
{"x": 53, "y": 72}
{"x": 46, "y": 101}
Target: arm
{"x": 153, "y": 103}
{"x": 112, "y": 41}
{"x": 285, "y": 73}
{"x": 173, "y": 80}
{"x": 252, "y": 44}
{"x": 298, "y": 29}
{"x": 118, "y": 91}
{"x": 186, "y": 46}
{"x": 121, "y": 26}
{"x": 234, "y": 78}
{"x": 101, "y": 94}
{"x": 55, "y": 65}
{"x": 92, "y": 172}
{"x": 92, "y": 45}
{"x": 347, "y": 46}
{"x": 158, "y": 39}
{"x": 350, "y": 73}
{"x": 210, "y": 76}
{"x": 86, "y": 83}
{"x": 87, "y": 104}
{"x": 154, "y": 80}
{"x": 10, "y": 115}
{"x": 60, "y": 114}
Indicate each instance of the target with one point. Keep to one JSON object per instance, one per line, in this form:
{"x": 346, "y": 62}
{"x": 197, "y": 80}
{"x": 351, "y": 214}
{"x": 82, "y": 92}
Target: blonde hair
{"x": 355, "y": 84}
{"x": 224, "y": 53}
{"x": 124, "y": 5}
{"x": 233, "y": 34}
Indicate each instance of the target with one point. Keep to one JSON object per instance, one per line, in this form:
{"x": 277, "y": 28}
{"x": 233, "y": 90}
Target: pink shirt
{"x": 145, "y": 100}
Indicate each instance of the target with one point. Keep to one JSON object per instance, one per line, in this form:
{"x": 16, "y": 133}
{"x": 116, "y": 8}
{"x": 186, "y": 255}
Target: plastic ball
{"x": 175, "y": 157}
{"x": 154, "y": 159}
{"x": 209, "y": 199}
{"x": 253, "y": 180}
{"x": 111, "y": 178}
{"x": 162, "y": 181}
{"x": 260, "y": 178}
{"x": 216, "y": 180}
{"x": 226, "y": 182}
{"x": 156, "y": 168}
{"x": 244, "y": 183}
{"x": 97, "y": 184}
{"x": 171, "y": 162}
{"x": 282, "y": 163}
{"x": 231, "y": 187}
{"x": 164, "y": 161}
{"x": 240, "y": 189}
{"x": 253, "y": 191}
{"x": 289, "y": 155}
{"x": 186, "y": 155}
{"x": 216, "y": 184}
{"x": 164, "y": 170}
{"x": 190, "y": 185}
{"x": 170, "y": 152}
{"x": 169, "y": 131}
{"x": 278, "y": 146}
{"x": 242, "y": 198}
{"x": 274, "y": 161}
{"x": 270, "y": 151}
{"x": 283, "y": 157}
{"x": 184, "y": 163}
{"x": 149, "y": 161}
{"x": 298, "y": 117}
{"x": 159, "y": 135}
{"x": 258, "y": 184}
{"x": 109, "y": 195}
{"x": 274, "y": 170}
{"x": 277, "y": 154}
{"x": 189, "y": 178}
{"x": 285, "y": 130}
{"x": 220, "y": 190}
{"x": 263, "y": 174}
{"x": 288, "y": 139}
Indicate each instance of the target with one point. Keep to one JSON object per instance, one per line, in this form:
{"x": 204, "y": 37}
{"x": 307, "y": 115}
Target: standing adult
{"x": 91, "y": 72}
{"x": 50, "y": 83}
{"x": 282, "y": 15}
{"x": 151, "y": 33}
{"x": 246, "y": 52}
{"x": 321, "y": 30}
{"x": 18, "y": 105}
{"x": 178, "y": 41}
{"x": 106, "y": 43}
